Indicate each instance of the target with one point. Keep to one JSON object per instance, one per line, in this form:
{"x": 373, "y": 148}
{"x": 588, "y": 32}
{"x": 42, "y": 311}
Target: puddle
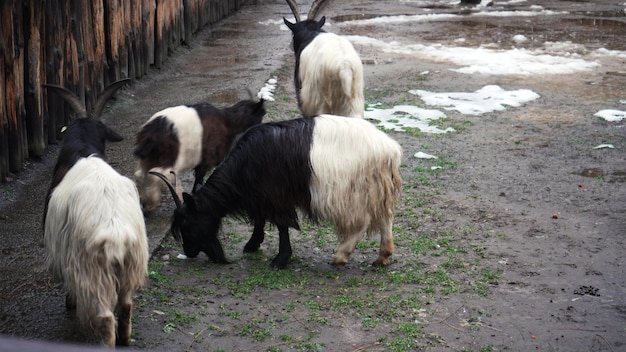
{"x": 225, "y": 97}
{"x": 345, "y": 18}
{"x": 592, "y": 172}
{"x": 224, "y": 33}
{"x": 605, "y": 14}
{"x": 599, "y": 22}
{"x": 618, "y": 176}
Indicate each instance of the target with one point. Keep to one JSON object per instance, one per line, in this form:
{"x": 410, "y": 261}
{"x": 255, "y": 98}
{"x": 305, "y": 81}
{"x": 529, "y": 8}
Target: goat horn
{"x": 294, "y": 9}
{"x": 70, "y": 97}
{"x": 250, "y": 94}
{"x": 169, "y": 185}
{"x": 107, "y": 93}
{"x": 315, "y": 8}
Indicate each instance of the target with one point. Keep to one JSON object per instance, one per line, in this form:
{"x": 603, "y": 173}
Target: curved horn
{"x": 250, "y": 94}
{"x": 315, "y": 8}
{"x": 294, "y": 9}
{"x": 70, "y": 97}
{"x": 107, "y": 93}
{"x": 169, "y": 185}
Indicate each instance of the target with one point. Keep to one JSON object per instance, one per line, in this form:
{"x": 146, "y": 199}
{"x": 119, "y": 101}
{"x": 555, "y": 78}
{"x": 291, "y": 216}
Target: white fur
{"x": 188, "y": 128}
{"x": 355, "y": 187}
{"x": 96, "y": 243}
{"x": 331, "y": 76}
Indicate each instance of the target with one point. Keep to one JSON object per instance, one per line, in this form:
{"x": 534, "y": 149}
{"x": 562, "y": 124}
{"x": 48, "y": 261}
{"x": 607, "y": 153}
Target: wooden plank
{"x": 86, "y": 34}
{"x": 189, "y": 19}
{"x": 114, "y": 39}
{"x": 136, "y": 69}
{"x": 148, "y": 34}
{"x": 55, "y": 18}
{"x": 159, "y": 29}
{"x": 5, "y": 8}
{"x": 12, "y": 23}
{"x": 37, "y": 140}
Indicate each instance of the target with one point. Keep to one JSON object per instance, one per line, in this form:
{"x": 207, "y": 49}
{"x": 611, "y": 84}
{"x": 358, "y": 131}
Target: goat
{"x": 328, "y": 73}
{"x": 94, "y": 230}
{"x": 182, "y": 138}
{"x": 331, "y": 168}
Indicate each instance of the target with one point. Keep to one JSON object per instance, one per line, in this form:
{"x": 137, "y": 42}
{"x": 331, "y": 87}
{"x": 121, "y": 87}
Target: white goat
{"x": 328, "y": 71}
{"x": 94, "y": 230}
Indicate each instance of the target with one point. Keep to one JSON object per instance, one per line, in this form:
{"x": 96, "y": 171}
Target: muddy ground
{"x": 516, "y": 243}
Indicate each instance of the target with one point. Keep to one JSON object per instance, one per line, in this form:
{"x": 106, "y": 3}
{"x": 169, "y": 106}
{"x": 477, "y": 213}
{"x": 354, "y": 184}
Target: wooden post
{"x": 13, "y": 56}
{"x": 34, "y": 75}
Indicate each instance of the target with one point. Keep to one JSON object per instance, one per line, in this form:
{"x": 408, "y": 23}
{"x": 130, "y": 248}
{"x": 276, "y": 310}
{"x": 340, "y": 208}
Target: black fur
{"x": 82, "y": 138}
{"x": 265, "y": 177}
{"x": 157, "y": 143}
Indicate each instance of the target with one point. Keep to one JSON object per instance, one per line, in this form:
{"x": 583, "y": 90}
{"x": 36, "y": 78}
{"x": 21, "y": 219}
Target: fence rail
{"x": 83, "y": 46}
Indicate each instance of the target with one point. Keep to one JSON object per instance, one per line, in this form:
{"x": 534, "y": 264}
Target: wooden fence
{"x": 82, "y": 45}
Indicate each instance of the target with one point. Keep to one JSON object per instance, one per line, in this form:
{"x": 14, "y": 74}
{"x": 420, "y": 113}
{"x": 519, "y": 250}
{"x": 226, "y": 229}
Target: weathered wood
{"x": 149, "y": 32}
{"x": 82, "y": 46}
{"x": 5, "y": 9}
{"x": 35, "y": 74}
{"x": 13, "y": 57}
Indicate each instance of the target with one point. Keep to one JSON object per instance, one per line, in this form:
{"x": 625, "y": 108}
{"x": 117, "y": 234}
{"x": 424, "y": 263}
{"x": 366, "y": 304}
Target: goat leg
{"x": 258, "y": 235}
{"x": 124, "y": 313}
{"x": 70, "y": 302}
{"x": 284, "y": 248}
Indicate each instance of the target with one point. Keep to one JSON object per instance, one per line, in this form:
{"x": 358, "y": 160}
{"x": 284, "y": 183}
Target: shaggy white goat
{"x": 94, "y": 230}
{"x": 328, "y": 72}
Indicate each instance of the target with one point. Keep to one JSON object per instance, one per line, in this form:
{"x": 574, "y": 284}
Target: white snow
{"x": 487, "y": 99}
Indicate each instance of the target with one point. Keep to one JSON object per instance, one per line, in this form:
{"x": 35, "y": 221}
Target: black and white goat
{"x": 94, "y": 230}
{"x": 328, "y": 71}
{"x": 181, "y": 138}
{"x": 345, "y": 171}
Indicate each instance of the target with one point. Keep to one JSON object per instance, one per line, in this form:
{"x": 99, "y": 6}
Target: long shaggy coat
{"x": 328, "y": 73}
{"x": 96, "y": 244}
{"x": 331, "y": 168}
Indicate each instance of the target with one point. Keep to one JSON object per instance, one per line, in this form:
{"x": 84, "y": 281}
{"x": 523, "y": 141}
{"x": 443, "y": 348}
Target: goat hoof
{"x": 70, "y": 303}
{"x": 279, "y": 263}
{"x": 340, "y": 260}
{"x": 251, "y": 247}
{"x": 122, "y": 342}
{"x": 381, "y": 262}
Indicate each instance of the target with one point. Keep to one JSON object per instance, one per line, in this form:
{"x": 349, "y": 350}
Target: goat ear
{"x": 189, "y": 201}
{"x": 321, "y": 22}
{"x": 289, "y": 24}
{"x": 112, "y": 136}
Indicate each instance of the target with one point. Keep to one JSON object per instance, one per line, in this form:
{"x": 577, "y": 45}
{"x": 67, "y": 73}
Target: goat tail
{"x": 351, "y": 80}
{"x": 106, "y": 271}
{"x": 346, "y": 75}
{"x": 94, "y": 284}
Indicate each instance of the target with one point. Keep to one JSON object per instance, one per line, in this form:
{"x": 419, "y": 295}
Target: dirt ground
{"x": 516, "y": 243}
